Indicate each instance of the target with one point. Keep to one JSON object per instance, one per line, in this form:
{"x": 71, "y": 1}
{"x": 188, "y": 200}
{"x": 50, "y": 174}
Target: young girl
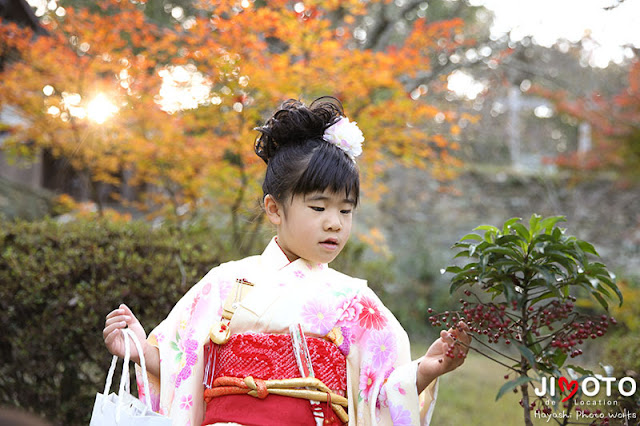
{"x": 281, "y": 338}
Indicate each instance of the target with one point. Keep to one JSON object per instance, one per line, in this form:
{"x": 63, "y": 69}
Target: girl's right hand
{"x": 114, "y": 339}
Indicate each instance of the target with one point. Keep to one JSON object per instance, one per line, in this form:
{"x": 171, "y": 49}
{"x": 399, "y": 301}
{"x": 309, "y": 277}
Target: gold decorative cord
{"x": 286, "y": 387}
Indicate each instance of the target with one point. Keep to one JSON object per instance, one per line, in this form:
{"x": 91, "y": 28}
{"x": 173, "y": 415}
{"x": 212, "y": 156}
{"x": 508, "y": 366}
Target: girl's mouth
{"x": 329, "y": 244}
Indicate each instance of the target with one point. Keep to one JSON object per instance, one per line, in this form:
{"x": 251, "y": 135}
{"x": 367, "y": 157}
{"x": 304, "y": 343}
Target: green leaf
{"x": 460, "y": 245}
{"x": 559, "y": 357}
{"x": 527, "y": 353}
{"x": 609, "y": 283}
{"x": 509, "y": 291}
{"x": 456, "y": 285}
{"x": 549, "y": 278}
{"x": 509, "y": 238}
{"x": 487, "y": 228}
{"x": 581, "y": 370}
{"x": 504, "y": 251}
{"x": 521, "y": 231}
{"x": 510, "y": 385}
{"x": 474, "y": 237}
{"x": 587, "y": 247}
{"x": 507, "y": 225}
{"x": 603, "y": 290}
{"x": 463, "y": 253}
{"x": 601, "y": 300}
{"x": 548, "y": 223}
{"x": 534, "y": 224}
{"x": 543, "y": 296}
{"x": 470, "y": 267}
{"x": 453, "y": 269}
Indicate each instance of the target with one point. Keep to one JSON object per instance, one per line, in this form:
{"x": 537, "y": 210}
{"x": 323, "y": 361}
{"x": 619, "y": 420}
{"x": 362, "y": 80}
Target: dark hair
{"x": 299, "y": 160}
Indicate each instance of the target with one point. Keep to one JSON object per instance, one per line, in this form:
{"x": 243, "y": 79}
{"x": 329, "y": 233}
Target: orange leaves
{"x": 613, "y": 126}
{"x": 231, "y": 66}
{"x": 425, "y": 41}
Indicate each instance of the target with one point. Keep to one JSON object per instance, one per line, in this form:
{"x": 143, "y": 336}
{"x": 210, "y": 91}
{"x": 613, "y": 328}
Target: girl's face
{"x": 313, "y": 226}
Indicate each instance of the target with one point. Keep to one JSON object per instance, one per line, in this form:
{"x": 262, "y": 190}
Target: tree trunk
{"x": 525, "y": 404}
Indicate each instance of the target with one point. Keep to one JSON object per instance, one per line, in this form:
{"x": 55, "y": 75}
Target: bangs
{"x": 329, "y": 169}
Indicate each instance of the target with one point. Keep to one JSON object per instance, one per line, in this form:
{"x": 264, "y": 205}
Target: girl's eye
{"x": 345, "y": 211}
{"x": 317, "y": 209}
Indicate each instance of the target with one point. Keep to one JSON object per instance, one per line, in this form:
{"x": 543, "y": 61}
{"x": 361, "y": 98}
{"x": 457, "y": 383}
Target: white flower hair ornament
{"x": 346, "y": 136}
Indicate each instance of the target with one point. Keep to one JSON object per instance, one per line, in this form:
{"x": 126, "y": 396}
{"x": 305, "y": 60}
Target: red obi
{"x": 270, "y": 357}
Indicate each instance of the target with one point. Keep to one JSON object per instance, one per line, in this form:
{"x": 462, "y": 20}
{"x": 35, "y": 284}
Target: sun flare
{"x": 100, "y": 109}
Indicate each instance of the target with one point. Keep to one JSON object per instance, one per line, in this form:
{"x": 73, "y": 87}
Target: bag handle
{"x": 143, "y": 367}
{"x": 124, "y": 378}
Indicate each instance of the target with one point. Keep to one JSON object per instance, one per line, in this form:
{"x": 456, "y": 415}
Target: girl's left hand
{"x": 444, "y": 355}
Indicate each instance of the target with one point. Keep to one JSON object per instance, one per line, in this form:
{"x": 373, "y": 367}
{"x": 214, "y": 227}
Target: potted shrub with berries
{"x": 519, "y": 290}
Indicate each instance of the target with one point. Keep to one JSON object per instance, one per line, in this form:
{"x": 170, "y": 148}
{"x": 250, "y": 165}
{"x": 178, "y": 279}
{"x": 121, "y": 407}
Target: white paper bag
{"x": 124, "y": 409}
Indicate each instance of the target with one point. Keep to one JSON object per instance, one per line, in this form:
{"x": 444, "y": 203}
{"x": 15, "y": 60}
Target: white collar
{"x": 274, "y": 256}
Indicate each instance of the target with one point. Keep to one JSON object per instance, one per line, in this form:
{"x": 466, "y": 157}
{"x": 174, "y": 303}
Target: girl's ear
{"x": 273, "y": 209}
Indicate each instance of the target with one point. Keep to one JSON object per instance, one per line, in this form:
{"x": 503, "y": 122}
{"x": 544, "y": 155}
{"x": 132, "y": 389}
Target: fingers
{"x": 447, "y": 337}
{"x": 126, "y": 309}
{"x": 461, "y": 333}
{"x": 115, "y": 320}
{"x": 115, "y": 312}
{"x": 113, "y": 324}
{"x": 456, "y": 342}
{"x": 123, "y": 313}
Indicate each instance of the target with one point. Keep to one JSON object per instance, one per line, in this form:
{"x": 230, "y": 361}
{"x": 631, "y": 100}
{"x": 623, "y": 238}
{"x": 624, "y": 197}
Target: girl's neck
{"x": 292, "y": 257}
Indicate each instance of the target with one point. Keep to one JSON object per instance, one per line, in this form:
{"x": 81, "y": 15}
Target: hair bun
{"x": 295, "y": 123}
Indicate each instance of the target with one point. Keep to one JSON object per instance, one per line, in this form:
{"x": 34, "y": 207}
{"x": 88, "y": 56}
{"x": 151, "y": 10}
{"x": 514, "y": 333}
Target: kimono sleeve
{"x": 180, "y": 339}
{"x": 381, "y": 376}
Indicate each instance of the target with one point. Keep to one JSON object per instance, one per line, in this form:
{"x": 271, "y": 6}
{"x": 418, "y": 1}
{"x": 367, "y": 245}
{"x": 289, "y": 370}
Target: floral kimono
{"x": 381, "y": 378}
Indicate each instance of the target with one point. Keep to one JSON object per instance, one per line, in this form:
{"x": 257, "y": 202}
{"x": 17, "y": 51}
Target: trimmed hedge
{"x": 57, "y": 283}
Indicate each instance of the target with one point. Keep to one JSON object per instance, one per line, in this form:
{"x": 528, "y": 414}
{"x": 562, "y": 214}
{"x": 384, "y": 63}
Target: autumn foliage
{"x": 613, "y": 121}
{"x": 233, "y": 62}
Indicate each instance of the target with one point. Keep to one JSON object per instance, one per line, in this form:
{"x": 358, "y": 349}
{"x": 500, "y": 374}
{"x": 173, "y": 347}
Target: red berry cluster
{"x": 488, "y": 319}
{"x": 579, "y": 332}
{"x": 545, "y": 409}
{"x": 497, "y": 322}
{"x": 546, "y": 315}
{"x": 531, "y": 406}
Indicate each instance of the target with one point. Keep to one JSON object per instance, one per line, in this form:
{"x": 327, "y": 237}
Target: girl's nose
{"x": 333, "y": 223}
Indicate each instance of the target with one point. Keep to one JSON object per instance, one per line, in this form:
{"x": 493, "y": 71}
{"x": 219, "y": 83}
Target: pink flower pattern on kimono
{"x": 382, "y": 347}
{"x": 382, "y": 401}
{"x": 372, "y": 338}
{"x": 142, "y": 391}
{"x": 186, "y": 402}
{"x": 367, "y": 380}
{"x": 399, "y": 389}
{"x": 400, "y": 416}
{"x": 186, "y": 348}
{"x": 155, "y": 402}
{"x": 319, "y": 316}
{"x": 351, "y": 309}
{"x": 347, "y": 340}
{"x": 194, "y": 304}
{"x": 370, "y": 316}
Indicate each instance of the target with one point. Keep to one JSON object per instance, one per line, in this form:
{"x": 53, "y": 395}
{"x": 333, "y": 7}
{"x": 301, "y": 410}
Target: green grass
{"x": 467, "y": 397}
